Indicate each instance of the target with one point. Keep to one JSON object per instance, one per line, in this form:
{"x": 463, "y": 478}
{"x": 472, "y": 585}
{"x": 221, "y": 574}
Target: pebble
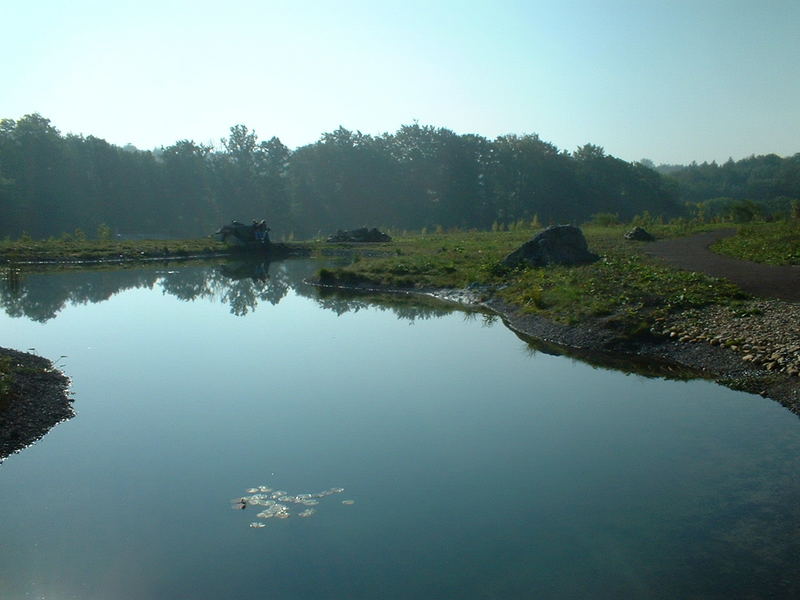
{"x": 764, "y": 332}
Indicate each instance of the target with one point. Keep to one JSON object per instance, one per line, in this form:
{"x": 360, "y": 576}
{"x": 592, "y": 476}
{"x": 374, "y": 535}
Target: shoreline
{"x": 278, "y": 250}
{"x": 35, "y": 400}
{"x": 687, "y": 359}
{"x": 735, "y": 349}
{"x": 653, "y": 354}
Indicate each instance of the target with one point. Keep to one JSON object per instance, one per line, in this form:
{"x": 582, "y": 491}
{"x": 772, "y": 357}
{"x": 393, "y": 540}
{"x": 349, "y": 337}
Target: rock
{"x": 640, "y": 235}
{"x": 360, "y": 235}
{"x": 556, "y": 245}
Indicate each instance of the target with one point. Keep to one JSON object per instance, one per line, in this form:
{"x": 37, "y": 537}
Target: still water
{"x": 477, "y": 467}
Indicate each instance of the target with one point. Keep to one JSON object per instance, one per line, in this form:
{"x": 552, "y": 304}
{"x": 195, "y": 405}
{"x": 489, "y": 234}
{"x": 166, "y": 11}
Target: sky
{"x": 672, "y": 81}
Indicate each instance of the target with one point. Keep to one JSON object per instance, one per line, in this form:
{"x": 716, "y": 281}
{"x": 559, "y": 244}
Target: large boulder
{"x": 556, "y": 245}
{"x": 640, "y": 234}
{"x": 361, "y": 235}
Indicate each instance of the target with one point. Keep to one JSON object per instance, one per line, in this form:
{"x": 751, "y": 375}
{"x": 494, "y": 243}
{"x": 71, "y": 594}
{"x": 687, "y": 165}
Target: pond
{"x": 472, "y": 465}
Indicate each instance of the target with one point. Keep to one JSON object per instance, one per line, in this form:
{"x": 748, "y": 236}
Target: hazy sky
{"x": 669, "y": 80}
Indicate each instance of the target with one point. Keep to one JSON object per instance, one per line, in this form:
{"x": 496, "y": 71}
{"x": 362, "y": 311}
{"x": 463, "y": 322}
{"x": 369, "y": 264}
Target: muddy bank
{"x": 33, "y": 399}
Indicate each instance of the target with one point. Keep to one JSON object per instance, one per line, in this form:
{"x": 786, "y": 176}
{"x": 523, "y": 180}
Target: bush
{"x": 103, "y": 232}
{"x": 605, "y": 219}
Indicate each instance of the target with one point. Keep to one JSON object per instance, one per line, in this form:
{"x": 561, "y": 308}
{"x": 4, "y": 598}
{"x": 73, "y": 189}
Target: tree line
{"x": 418, "y": 177}
{"x": 765, "y": 186}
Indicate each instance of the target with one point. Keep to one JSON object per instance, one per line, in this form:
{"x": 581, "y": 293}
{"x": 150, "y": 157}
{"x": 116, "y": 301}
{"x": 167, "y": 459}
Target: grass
{"x": 76, "y": 250}
{"x": 626, "y": 288}
{"x": 775, "y": 243}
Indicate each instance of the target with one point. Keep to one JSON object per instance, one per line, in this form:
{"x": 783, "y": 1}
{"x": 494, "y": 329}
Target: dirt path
{"x": 692, "y": 254}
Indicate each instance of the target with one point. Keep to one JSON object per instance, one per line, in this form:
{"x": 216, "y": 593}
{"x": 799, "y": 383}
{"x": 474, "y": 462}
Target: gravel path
{"x": 693, "y": 254}
{"x": 763, "y": 332}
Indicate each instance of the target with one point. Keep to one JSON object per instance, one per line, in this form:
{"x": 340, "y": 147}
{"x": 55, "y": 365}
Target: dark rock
{"x": 556, "y": 245}
{"x": 360, "y": 235}
{"x": 640, "y": 235}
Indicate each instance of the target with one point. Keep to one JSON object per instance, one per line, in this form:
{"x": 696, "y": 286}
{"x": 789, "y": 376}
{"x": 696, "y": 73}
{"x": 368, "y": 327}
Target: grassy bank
{"x": 87, "y": 250}
{"x": 626, "y": 288}
{"x": 772, "y": 243}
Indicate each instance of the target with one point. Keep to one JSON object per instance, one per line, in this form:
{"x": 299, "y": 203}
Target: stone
{"x": 639, "y": 234}
{"x": 556, "y": 245}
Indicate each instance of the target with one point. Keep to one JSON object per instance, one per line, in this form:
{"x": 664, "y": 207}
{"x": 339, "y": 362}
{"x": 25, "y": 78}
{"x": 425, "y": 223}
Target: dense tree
{"x": 189, "y": 188}
{"x": 419, "y": 176}
{"x": 771, "y": 182}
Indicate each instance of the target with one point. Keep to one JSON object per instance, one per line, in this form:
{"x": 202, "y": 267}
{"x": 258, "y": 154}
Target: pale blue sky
{"x": 673, "y": 81}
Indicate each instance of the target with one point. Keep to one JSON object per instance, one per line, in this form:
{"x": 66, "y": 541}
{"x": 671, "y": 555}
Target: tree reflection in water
{"x": 40, "y": 294}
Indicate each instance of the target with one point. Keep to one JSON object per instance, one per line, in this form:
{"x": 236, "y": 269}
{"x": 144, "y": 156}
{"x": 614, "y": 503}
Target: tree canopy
{"x": 419, "y": 176}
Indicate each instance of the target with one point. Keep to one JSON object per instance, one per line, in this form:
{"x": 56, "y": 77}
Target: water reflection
{"x": 243, "y": 285}
{"x": 559, "y": 481}
{"x": 408, "y": 307}
{"x": 40, "y": 294}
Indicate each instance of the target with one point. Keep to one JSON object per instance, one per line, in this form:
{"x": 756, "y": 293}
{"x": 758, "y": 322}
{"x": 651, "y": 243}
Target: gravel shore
{"x": 35, "y": 401}
{"x": 754, "y": 347}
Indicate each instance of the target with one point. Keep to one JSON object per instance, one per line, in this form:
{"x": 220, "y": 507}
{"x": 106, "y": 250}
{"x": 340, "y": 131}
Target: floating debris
{"x": 279, "y": 511}
{"x": 276, "y": 503}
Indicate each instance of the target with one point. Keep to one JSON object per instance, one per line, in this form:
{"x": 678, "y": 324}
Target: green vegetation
{"x": 78, "y": 248}
{"x": 772, "y": 243}
{"x": 743, "y": 190}
{"x": 626, "y": 289}
{"x": 419, "y": 176}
